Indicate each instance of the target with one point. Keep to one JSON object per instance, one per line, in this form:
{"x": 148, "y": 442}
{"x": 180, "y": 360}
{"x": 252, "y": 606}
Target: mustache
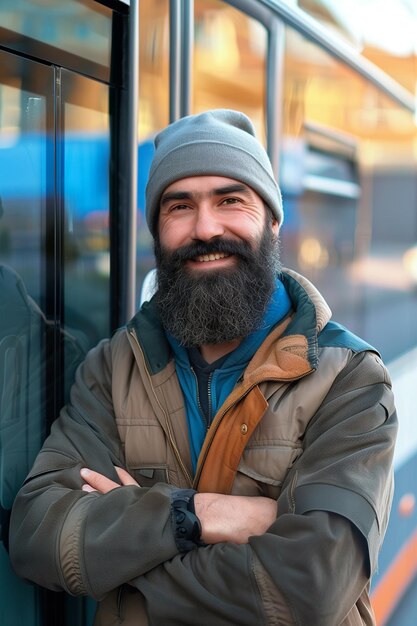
{"x": 200, "y": 248}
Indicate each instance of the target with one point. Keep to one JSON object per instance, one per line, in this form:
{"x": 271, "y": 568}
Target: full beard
{"x": 212, "y": 307}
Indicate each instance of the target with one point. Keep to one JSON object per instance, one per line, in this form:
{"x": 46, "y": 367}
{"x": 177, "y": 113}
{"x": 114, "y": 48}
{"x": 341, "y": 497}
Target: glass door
{"x": 26, "y": 198}
{"x": 55, "y": 161}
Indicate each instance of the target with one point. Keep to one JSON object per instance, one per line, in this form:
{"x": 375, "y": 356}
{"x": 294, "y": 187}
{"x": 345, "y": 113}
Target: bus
{"x": 84, "y": 87}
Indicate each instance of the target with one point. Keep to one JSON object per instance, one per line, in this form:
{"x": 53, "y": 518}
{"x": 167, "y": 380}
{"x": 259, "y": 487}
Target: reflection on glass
{"x": 31, "y": 373}
{"x": 229, "y": 61}
{"x": 385, "y": 33}
{"x": 23, "y": 158}
{"x": 86, "y": 245}
{"x": 23, "y": 327}
{"x": 81, "y": 27}
{"x": 23, "y": 146}
{"x": 349, "y": 185}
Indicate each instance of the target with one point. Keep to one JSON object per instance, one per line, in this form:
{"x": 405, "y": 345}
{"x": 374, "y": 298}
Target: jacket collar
{"x": 311, "y": 312}
{"x": 298, "y": 336}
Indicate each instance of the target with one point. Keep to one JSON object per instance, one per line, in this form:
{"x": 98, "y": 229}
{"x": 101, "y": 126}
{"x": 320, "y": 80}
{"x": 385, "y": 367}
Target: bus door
{"x": 26, "y": 172}
{"x": 54, "y": 279}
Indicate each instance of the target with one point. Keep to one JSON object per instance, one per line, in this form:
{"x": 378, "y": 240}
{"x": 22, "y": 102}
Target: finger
{"x": 98, "y": 481}
{"x": 88, "y": 488}
{"x": 125, "y": 477}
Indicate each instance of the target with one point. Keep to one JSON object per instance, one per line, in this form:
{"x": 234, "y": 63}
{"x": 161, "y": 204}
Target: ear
{"x": 275, "y": 227}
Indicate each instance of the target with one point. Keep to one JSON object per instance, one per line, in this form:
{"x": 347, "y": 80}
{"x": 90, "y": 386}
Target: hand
{"x": 98, "y": 482}
{"x": 233, "y": 518}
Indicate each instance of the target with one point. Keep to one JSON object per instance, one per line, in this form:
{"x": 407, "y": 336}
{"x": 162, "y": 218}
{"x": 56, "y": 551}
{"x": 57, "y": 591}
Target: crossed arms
{"x": 223, "y": 518}
{"x": 90, "y": 542}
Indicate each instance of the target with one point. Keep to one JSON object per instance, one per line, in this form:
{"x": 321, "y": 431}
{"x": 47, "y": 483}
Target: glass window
{"x": 25, "y": 167}
{"x": 153, "y": 67}
{"x": 229, "y": 61}
{"x": 23, "y": 151}
{"x": 86, "y": 243}
{"x": 348, "y": 176}
{"x": 349, "y": 186}
{"x": 54, "y": 267}
{"x": 81, "y": 28}
{"x": 385, "y": 33}
{"x": 54, "y": 239}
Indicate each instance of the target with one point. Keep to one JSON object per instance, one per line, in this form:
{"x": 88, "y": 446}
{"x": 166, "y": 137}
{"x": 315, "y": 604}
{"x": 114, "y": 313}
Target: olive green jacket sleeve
{"x": 227, "y": 584}
{"x": 87, "y": 543}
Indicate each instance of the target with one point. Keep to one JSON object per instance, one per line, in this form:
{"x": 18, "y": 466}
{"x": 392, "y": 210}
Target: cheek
{"x": 172, "y": 235}
{"x": 246, "y": 227}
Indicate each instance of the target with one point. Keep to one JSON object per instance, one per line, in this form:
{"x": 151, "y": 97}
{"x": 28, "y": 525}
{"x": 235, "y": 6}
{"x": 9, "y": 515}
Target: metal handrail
{"x": 174, "y": 60}
{"x": 341, "y": 50}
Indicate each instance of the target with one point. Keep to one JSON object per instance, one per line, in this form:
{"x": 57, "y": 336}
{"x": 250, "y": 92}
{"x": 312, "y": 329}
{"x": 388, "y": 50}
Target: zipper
{"x": 200, "y": 408}
{"x": 209, "y": 398}
{"x": 132, "y": 333}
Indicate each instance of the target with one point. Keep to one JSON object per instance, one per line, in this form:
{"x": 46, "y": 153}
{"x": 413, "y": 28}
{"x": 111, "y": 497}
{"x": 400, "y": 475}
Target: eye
{"x": 231, "y": 200}
{"x": 178, "y": 207}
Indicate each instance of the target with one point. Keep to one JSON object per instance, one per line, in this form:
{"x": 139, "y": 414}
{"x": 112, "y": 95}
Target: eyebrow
{"x": 175, "y": 195}
{"x": 234, "y": 188}
{"x": 218, "y": 191}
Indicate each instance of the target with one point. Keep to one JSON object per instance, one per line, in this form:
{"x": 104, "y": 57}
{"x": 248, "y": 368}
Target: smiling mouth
{"x": 216, "y": 256}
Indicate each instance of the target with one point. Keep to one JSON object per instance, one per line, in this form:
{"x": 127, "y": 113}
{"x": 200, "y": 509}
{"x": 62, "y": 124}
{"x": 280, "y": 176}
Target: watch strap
{"x": 185, "y": 523}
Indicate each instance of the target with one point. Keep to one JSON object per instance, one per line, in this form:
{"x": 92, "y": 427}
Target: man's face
{"x": 217, "y": 259}
{"x": 206, "y": 209}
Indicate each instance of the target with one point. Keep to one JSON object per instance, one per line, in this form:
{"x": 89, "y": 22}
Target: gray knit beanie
{"x": 214, "y": 143}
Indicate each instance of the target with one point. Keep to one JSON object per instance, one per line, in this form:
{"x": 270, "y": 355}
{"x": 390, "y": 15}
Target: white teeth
{"x": 211, "y": 257}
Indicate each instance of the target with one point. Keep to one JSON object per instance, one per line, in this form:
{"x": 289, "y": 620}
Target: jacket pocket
{"x": 263, "y": 468}
{"x": 150, "y": 474}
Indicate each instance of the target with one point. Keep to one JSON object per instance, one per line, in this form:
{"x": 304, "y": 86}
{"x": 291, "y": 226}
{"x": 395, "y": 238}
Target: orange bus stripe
{"x": 394, "y": 583}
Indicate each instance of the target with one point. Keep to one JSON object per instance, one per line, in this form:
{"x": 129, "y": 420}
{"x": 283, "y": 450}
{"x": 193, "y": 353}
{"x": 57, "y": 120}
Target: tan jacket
{"x": 311, "y": 424}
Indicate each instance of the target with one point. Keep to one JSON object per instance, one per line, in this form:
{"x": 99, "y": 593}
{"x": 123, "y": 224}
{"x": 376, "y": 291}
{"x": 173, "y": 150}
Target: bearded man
{"x": 226, "y": 458}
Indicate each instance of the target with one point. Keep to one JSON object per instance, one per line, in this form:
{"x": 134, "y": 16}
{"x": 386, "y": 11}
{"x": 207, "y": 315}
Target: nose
{"x": 207, "y": 224}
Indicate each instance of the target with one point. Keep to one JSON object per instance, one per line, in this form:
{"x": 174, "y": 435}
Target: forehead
{"x": 194, "y": 184}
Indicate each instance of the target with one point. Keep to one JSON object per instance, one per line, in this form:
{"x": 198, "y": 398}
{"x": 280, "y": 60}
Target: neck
{"x": 213, "y": 351}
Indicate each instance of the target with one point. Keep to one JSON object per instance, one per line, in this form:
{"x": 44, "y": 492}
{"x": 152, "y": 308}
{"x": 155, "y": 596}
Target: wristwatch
{"x": 186, "y": 525}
